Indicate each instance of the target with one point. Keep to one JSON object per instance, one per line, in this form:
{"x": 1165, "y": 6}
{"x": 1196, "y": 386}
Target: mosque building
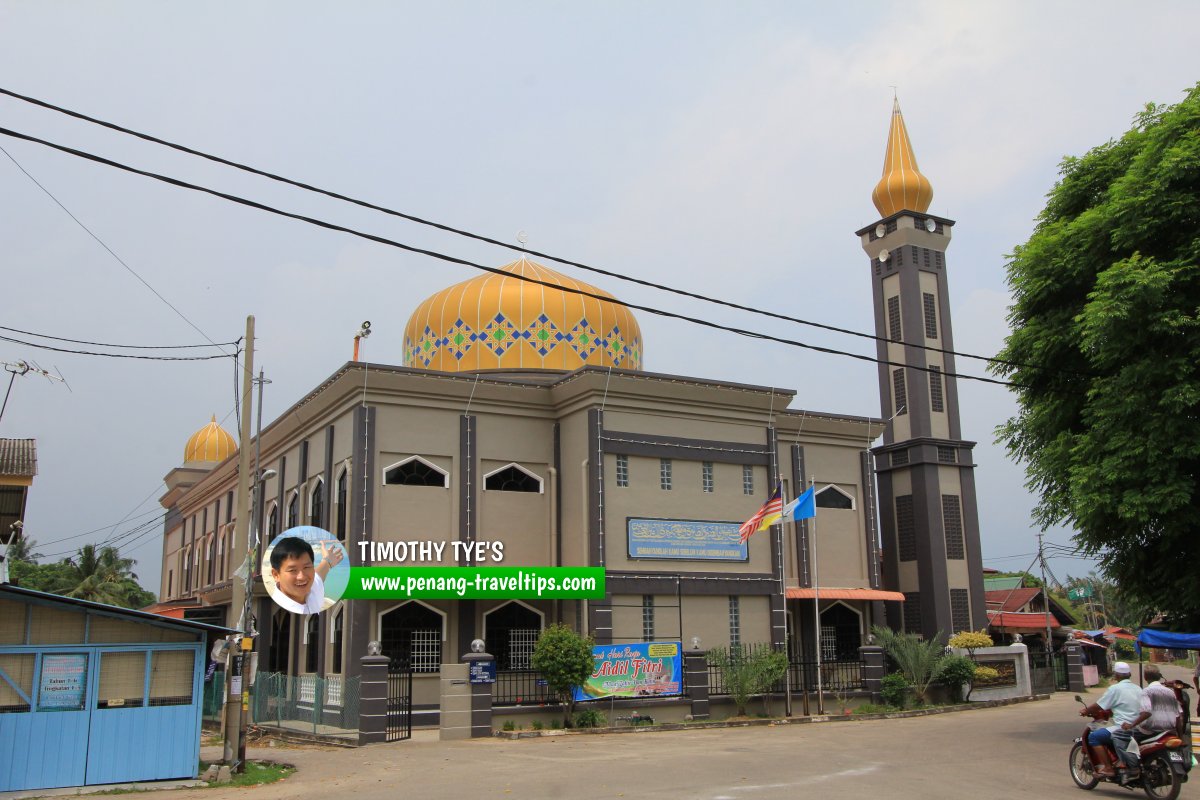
{"x": 525, "y": 414}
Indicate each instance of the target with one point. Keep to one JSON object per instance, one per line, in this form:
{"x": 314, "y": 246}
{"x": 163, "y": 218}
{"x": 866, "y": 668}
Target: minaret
{"x": 929, "y": 520}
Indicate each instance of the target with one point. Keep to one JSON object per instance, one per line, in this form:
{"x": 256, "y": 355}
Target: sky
{"x": 726, "y": 148}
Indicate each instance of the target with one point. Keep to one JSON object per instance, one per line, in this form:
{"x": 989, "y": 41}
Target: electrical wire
{"x": 478, "y": 237}
{"x": 113, "y": 355}
{"x": 120, "y": 260}
{"x": 494, "y": 270}
{"x": 119, "y": 346}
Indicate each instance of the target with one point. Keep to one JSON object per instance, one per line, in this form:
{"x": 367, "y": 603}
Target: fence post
{"x": 373, "y": 700}
{"x": 873, "y": 668}
{"x": 1074, "y": 656}
{"x": 695, "y": 678}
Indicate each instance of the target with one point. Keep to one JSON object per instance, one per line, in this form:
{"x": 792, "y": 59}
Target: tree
{"x": 565, "y": 660}
{"x": 1104, "y": 355}
{"x": 23, "y": 550}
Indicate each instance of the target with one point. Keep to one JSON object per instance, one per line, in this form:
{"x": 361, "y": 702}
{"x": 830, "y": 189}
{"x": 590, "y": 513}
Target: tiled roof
{"x": 1036, "y": 622}
{"x": 1010, "y": 599}
{"x": 18, "y": 457}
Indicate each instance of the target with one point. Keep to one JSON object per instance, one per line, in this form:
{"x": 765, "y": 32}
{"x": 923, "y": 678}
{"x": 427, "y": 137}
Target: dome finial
{"x": 902, "y": 186}
{"x": 211, "y": 443}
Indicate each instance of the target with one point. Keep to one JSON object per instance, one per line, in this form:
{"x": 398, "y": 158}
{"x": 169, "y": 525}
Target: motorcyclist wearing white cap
{"x": 1124, "y": 699}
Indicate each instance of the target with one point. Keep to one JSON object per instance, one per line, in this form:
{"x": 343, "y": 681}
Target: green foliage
{"x": 590, "y": 718}
{"x": 957, "y": 672}
{"x": 556, "y": 723}
{"x": 537, "y": 724}
{"x": 1124, "y": 649}
{"x": 564, "y": 659}
{"x": 872, "y": 708}
{"x": 102, "y": 576}
{"x": 509, "y": 725}
{"x": 748, "y": 671}
{"x": 970, "y": 640}
{"x": 915, "y": 657}
{"x": 984, "y": 676}
{"x": 1105, "y": 355}
{"x": 894, "y": 690}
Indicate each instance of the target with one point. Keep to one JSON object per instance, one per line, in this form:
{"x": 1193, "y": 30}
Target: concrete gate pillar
{"x": 466, "y": 705}
{"x": 1074, "y": 655}
{"x": 695, "y": 678}
{"x": 373, "y": 699}
{"x": 873, "y": 669}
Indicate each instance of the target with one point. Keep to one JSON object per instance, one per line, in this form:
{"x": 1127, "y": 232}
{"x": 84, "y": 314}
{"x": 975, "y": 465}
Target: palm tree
{"x": 23, "y": 550}
{"x": 103, "y": 577}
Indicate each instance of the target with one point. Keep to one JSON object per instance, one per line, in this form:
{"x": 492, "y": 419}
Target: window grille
{"x": 937, "y": 401}
{"x": 953, "y": 525}
{"x": 512, "y": 479}
{"x": 829, "y": 497}
{"x": 707, "y": 476}
{"x": 939, "y": 259}
{"x": 426, "y": 651}
{"x": 901, "y": 403}
{"x": 664, "y": 474}
{"x": 828, "y": 643}
{"x": 415, "y": 472}
{"x": 930, "y": 303}
{"x": 960, "y": 610}
{"x": 171, "y": 677}
{"x": 747, "y": 479}
{"x": 520, "y": 647}
{"x": 735, "y": 622}
{"x": 647, "y": 617}
{"x": 925, "y": 255}
{"x": 947, "y": 455}
{"x": 891, "y": 227}
{"x": 894, "y": 330}
{"x": 906, "y": 529}
{"x": 622, "y": 470}
{"x": 19, "y": 669}
{"x": 123, "y": 680}
{"x": 899, "y": 458}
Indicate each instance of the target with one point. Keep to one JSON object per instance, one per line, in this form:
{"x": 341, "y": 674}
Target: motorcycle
{"x": 1165, "y": 762}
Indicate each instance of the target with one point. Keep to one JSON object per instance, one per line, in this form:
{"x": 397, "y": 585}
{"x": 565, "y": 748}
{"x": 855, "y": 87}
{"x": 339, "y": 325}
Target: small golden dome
{"x": 210, "y": 443}
{"x": 902, "y": 185}
{"x": 498, "y": 322}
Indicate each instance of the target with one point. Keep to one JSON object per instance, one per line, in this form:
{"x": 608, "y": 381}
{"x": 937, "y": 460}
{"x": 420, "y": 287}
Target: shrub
{"x": 970, "y": 641}
{"x": 957, "y": 672}
{"x": 871, "y": 708}
{"x": 894, "y": 690}
{"x": 556, "y": 723}
{"x": 917, "y": 658}
{"x": 985, "y": 675}
{"x": 564, "y": 658}
{"x": 509, "y": 725}
{"x": 537, "y": 724}
{"x": 1124, "y": 649}
{"x": 748, "y": 671}
{"x": 590, "y": 718}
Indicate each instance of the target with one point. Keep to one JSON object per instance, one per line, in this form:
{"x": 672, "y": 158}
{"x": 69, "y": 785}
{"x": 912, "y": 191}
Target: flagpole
{"x": 817, "y": 608}
{"x": 787, "y": 673}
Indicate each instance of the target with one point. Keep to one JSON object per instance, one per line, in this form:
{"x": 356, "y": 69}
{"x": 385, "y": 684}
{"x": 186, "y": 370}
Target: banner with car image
{"x": 643, "y": 669}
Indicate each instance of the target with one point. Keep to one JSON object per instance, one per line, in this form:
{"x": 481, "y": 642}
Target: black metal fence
{"x": 836, "y": 676}
{"x": 399, "y": 704}
{"x": 521, "y": 687}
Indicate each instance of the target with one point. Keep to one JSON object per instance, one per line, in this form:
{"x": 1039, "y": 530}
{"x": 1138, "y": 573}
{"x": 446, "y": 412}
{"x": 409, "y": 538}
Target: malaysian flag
{"x": 773, "y": 506}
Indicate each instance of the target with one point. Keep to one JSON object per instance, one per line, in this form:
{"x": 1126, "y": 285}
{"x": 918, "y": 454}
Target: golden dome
{"x": 497, "y": 322}
{"x": 902, "y": 185}
{"x": 210, "y": 443}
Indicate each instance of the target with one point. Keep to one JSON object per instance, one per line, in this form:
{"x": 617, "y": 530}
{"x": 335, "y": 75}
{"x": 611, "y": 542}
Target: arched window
{"x": 312, "y": 634}
{"x": 833, "y": 497}
{"x": 511, "y": 631}
{"x": 293, "y": 511}
{"x": 210, "y": 554}
{"x": 316, "y": 505}
{"x": 339, "y": 527}
{"x": 411, "y": 634}
{"x": 281, "y": 636}
{"x": 415, "y": 471}
{"x": 273, "y": 523}
{"x": 512, "y": 478}
{"x": 335, "y": 643}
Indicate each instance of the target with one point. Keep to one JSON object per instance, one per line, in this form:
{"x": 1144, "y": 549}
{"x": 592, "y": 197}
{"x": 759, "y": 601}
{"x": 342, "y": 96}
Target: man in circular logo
{"x": 299, "y": 572}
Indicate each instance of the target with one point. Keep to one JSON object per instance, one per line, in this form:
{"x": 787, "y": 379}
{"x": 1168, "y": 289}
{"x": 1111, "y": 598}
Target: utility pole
{"x": 238, "y": 696}
{"x": 1045, "y": 594}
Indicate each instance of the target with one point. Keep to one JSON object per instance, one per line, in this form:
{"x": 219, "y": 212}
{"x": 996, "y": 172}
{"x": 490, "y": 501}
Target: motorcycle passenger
{"x": 1124, "y": 700}
{"x": 1160, "y": 707}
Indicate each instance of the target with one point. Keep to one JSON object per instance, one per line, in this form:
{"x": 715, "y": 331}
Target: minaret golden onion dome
{"x": 902, "y": 186}
{"x": 498, "y": 321}
{"x": 210, "y": 443}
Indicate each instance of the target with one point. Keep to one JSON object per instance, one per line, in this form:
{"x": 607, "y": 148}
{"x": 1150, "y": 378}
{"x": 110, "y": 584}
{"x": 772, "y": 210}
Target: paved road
{"x": 1013, "y": 751}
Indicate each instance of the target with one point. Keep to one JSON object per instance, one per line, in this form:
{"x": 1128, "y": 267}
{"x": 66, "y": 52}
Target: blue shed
{"x": 94, "y": 694}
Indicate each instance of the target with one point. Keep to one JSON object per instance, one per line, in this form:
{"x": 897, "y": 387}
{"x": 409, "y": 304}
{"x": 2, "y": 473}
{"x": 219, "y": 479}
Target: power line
{"x": 112, "y": 355}
{"x": 120, "y": 260}
{"x": 478, "y": 237}
{"x": 118, "y": 346}
{"x": 494, "y": 270}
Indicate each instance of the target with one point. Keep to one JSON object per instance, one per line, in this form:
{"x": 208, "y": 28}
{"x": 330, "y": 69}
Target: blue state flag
{"x": 803, "y": 507}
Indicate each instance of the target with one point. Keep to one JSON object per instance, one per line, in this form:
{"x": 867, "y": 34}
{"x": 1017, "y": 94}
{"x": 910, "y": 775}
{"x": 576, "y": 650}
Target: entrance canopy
{"x": 832, "y": 593}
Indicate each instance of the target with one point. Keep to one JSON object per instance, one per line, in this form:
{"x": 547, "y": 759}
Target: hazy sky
{"x": 729, "y": 148}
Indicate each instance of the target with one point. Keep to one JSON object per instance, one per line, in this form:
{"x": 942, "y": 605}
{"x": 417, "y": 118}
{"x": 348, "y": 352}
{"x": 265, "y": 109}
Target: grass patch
{"x": 257, "y": 773}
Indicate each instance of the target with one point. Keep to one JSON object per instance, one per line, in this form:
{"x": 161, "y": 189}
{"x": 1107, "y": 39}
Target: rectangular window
{"x": 170, "y": 578}
{"x": 647, "y": 617}
{"x": 906, "y": 528}
{"x": 706, "y": 471}
{"x": 930, "y": 315}
{"x": 14, "y": 697}
{"x": 901, "y": 403}
{"x": 122, "y": 680}
{"x": 623, "y": 471}
{"x": 229, "y": 508}
{"x": 936, "y": 401}
{"x": 426, "y": 650}
{"x": 171, "y": 677}
{"x": 521, "y": 642}
{"x": 735, "y": 622}
{"x": 960, "y": 610}
{"x": 947, "y": 455}
{"x": 664, "y": 474}
{"x": 747, "y": 479}
{"x": 953, "y": 525}
{"x": 899, "y": 457}
{"x": 894, "y": 331}
{"x": 912, "y": 612}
